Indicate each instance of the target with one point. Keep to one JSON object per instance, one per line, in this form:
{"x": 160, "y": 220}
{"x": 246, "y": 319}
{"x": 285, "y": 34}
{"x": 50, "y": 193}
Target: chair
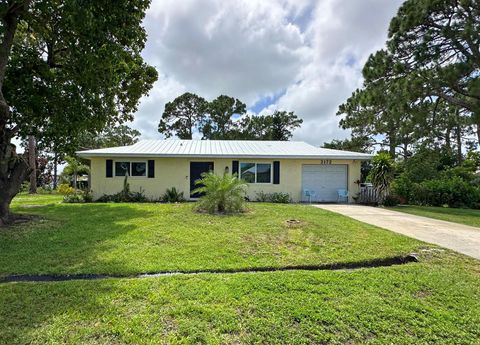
{"x": 309, "y": 194}
{"x": 342, "y": 194}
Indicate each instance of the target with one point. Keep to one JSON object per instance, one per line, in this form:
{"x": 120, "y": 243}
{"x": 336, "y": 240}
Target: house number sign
{"x": 326, "y": 161}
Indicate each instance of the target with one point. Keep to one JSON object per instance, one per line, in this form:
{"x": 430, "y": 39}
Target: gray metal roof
{"x": 223, "y": 148}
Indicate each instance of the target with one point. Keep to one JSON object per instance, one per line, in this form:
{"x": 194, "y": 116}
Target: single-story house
{"x": 306, "y": 172}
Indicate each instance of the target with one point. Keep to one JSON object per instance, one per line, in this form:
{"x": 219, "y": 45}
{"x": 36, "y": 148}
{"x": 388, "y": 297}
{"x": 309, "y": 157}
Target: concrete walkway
{"x": 461, "y": 238}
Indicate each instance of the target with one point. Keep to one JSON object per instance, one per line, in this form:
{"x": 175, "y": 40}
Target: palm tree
{"x": 382, "y": 174}
{"x": 222, "y": 194}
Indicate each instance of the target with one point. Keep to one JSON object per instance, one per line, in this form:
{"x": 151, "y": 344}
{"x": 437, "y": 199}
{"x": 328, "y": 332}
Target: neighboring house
{"x": 306, "y": 172}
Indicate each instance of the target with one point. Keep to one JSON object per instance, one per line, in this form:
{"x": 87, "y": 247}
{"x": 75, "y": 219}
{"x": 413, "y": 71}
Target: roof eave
{"x": 363, "y": 157}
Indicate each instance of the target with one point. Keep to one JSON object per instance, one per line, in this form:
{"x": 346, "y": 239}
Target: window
{"x": 264, "y": 173}
{"x": 256, "y": 172}
{"x": 139, "y": 169}
{"x": 131, "y": 168}
{"x": 122, "y": 168}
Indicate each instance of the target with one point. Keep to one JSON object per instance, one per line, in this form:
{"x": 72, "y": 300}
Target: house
{"x": 306, "y": 172}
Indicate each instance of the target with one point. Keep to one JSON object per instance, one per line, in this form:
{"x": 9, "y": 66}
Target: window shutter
{"x": 109, "y": 168}
{"x": 235, "y": 168}
{"x": 276, "y": 172}
{"x": 151, "y": 168}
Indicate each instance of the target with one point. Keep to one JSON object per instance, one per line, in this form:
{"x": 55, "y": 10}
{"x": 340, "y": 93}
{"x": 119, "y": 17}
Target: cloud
{"x": 299, "y": 55}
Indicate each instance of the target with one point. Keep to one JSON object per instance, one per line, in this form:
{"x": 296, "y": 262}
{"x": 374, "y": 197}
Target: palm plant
{"x": 222, "y": 194}
{"x": 382, "y": 174}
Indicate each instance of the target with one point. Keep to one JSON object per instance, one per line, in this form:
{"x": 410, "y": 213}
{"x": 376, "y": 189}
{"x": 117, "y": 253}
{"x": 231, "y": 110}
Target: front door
{"x": 196, "y": 170}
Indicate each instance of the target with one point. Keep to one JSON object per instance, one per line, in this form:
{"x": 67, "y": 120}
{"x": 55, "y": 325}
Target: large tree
{"x": 66, "y": 67}
{"x": 183, "y": 115}
{"x": 439, "y": 43}
{"x": 220, "y": 123}
{"x": 277, "y": 126}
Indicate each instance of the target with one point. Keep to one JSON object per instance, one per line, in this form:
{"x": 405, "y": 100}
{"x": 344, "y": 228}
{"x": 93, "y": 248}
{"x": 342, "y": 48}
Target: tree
{"x": 183, "y": 115}
{"x": 355, "y": 144}
{"x": 73, "y": 168}
{"x": 120, "y": 135}
{"x": 220, "y": 123}
{"x": 277, "y": 126}
{"x": 65, "y": 68}
{"x": 382, "y": 173}
{"x": 438, "y": 42}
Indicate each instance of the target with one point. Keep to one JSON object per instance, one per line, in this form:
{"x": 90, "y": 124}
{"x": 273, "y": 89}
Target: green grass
{"x": 456, "y": 215}
{"x": 435, "y": 301}
{"x": 136, "y": 238}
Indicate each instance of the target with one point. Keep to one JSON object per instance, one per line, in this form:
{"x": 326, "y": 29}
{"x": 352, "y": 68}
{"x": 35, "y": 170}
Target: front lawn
{"x": 457, "y": 215}
{"x": 434, "y": 301}
{"x": 135, "y": 238}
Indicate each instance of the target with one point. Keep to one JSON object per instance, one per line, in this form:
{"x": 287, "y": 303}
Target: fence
{"x": 369, "y": 196}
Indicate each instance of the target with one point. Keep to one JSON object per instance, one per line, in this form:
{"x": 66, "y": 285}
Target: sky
{"x": 304, "y": 56}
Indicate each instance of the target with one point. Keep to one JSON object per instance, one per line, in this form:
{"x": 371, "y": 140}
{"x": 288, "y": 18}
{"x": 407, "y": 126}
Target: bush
{"x": 279, "y": 198}
{"x": 454, "y": 192}
{"x": 87, "y": 196}
{"x": 73, "y": 198}
{"x": 391, "y": 200}
{"x": 126, "y": 195}
{"x": 223, "y": 194}
{"x": 65, "y": 189}
{"x": 172, "y": 195}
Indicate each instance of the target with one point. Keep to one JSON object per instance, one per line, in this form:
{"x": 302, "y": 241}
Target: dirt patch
{"x": 294, "y": 223}
{"x": 18, "y": 219}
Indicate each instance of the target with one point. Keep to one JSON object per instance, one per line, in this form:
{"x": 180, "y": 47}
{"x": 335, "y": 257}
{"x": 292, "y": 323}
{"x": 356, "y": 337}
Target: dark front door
{"x": 196, "y": 170}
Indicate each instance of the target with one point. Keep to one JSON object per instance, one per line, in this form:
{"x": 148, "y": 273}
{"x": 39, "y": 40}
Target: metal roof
{"x": 223, "y": 148}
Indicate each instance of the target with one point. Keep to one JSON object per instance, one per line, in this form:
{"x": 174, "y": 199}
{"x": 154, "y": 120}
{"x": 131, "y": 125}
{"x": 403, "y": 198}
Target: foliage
{"x": 222, "y": 194}
{"x": 183, "y": 115}
{"x": 424, "y": 86}
{"x": 125, "y": 195}
{"x": 454, "y": 192}
{"x": 276, "y": 197}
{"x": 73, "y": 198}
{"x": 382, "y": 173}
{"x": 391, "y": 200}
{"x": 119, "y": 135}
{"x": 277, "y": 126}
{"x": 172, "y": 195}
{"x": 355, "y": 144}
{"x": 65, "y": 189}
{"x": 224, "y": 118}
{"x": 219, "y": 124}
{"x": 66, "y": 67}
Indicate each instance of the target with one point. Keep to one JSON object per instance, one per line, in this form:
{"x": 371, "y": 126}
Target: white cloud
{"x": 251, "y": 49}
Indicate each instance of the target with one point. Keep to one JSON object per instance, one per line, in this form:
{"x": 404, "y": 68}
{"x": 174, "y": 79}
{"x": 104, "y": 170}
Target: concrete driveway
{"x": 461, "y": 238}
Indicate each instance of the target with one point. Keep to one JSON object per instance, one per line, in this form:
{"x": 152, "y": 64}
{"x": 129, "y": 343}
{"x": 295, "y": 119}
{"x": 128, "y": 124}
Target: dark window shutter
{"x": 109, "y": 170}
{"x": 151, "y": 168}
{"x": 276, "y": 172}
{"x": 234, "y": 167}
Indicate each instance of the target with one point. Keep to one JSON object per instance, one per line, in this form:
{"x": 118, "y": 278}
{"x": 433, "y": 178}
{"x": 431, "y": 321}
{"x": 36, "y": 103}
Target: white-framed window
{"x": 256, "y": 172}
{"x": 134, "y": 169}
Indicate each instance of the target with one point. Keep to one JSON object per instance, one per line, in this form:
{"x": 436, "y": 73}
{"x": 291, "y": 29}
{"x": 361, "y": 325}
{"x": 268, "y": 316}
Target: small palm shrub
{"x": 222, "y": 194}
{"x": 172, "y": 195}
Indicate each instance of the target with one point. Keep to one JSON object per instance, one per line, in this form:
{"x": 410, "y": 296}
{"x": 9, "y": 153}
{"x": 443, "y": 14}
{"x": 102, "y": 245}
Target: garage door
{"x": 324, "y": 181}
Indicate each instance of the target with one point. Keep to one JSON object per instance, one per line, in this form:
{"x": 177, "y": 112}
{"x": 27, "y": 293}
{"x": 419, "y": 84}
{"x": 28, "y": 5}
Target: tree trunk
{"x": 32, "y": 154}
{"x": 55, "y": 168}
{"x": 458, "y": 136}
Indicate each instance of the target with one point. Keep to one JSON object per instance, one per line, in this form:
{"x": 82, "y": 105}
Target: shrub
{"x": 126, "y": 195}
{"x": 277, "y": 197}
{"x": 223, "y": 194}
{"x": 72, "y": 198}
{"x": 87, "y": 196}
{"x": 65, "y": 189}
{"x": 172, "y": 195}
{"x": 391, "y": 200}
{"x": 454, "y": 192}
